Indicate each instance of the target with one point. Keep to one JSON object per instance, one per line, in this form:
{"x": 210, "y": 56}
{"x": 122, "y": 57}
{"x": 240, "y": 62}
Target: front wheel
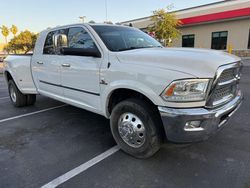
{"x": 136, "y": 127}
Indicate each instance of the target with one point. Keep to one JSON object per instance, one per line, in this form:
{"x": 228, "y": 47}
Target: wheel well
{"x": 122, "y": 94}
{"x": 8, "y": 76}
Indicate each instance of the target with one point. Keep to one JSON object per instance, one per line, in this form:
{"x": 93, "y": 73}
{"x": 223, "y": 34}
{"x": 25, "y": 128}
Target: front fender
{"x": 128, "y": 84}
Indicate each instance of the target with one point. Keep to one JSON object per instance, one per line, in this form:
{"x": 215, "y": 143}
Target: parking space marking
{"x": 32, "y": 113}
{"x": 4, "y": 98}
{"x": 65, "y": 177}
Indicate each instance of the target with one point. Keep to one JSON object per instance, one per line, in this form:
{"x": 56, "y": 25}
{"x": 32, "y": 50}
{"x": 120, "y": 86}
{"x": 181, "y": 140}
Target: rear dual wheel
{"x": 137, "y": 128}
{"x": 17, "y": 98}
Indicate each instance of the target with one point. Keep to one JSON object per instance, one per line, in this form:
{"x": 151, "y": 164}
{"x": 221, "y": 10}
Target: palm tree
{"x": 14, "y": 30}
{"x": 5, "y": 32}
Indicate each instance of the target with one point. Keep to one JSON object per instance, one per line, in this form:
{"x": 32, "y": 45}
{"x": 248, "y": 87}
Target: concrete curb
{"x": 245, "y": 58}
{"x": 246, "y": 61}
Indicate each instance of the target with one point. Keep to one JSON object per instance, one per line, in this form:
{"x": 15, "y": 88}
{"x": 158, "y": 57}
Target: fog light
{"x": 193, "y": 126}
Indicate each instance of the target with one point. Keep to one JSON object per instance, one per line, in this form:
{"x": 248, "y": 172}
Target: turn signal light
{"x": 170, "y": 90}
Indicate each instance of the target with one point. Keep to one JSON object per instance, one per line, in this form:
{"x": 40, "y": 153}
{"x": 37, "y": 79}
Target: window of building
{"x": 188, "y": 41}
{"x": 219, "y": 40}
{"x": 79, "y": 38}
{"x": 249, "y": 40}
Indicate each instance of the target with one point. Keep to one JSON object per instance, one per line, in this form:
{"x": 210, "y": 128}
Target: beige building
{"x": 221, "y": 26}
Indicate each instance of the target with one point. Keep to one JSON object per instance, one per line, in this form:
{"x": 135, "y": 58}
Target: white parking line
{"x": 32, "y": 113}
{"x": 4, "y": 98}
{"x": 65, "y": 177}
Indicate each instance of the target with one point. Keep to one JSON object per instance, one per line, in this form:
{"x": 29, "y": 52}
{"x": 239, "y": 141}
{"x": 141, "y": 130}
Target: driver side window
{"x": 49, "y": 48}
{"x": 79, "y": 38}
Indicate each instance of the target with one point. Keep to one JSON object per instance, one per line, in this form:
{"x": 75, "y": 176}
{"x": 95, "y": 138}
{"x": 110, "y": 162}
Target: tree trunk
{"x": 165, "y": 43}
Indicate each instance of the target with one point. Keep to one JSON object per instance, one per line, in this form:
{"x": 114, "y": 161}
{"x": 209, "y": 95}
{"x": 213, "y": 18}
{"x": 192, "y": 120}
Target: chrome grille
{"x": 227, "y": 75}
{"x": 225, "y": 85}
{"x": 223, "y": 94}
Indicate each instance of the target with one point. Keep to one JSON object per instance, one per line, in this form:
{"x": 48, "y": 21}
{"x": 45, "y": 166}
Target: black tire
{"x": 151, "y": 121}
{"x": 31, "y": 99}
{"x": 20, "y": 99}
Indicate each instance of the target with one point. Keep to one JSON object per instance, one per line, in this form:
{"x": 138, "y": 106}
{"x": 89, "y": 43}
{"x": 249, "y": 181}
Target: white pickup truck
{"x": 149, "y": 93}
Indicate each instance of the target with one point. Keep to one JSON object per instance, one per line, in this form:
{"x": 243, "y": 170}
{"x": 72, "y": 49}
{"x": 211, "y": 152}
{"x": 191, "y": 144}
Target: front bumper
{"x": 211, "y": 120}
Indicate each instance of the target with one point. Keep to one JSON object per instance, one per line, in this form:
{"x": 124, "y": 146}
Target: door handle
{"x": 65, "y": 65}
{"x": 39, "y": 63}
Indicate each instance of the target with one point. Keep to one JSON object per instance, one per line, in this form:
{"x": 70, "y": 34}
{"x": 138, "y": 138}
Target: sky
{"x": 36, "y": 15}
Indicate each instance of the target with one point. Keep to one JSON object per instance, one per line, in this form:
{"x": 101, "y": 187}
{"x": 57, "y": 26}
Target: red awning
{"x": 216, "y": 16}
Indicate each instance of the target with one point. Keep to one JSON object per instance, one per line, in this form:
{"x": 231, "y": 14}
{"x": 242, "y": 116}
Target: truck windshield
{"x": 118, "y": 38}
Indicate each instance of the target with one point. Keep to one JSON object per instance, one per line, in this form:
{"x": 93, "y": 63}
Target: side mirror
{"x": 60, "y": 41}
{"x": 91, "y": 52}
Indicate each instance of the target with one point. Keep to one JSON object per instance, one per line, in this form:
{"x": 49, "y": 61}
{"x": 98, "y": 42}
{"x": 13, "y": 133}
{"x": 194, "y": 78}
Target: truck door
{"x": 46, "y": 68}
{"x": 80, "y": 74}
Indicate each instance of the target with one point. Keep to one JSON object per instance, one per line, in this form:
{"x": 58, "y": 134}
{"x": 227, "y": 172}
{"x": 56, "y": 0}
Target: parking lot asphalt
{"x": 37, "y": 148}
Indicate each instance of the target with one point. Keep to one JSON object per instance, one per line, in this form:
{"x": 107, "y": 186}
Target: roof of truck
{"x": 86, "y": 24}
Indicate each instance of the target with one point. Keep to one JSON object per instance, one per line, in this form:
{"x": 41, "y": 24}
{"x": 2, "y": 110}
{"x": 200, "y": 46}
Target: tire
{"x": 140, "y": 112}
{"x": 17, "y": 98}
{"x": 31, "y": 99}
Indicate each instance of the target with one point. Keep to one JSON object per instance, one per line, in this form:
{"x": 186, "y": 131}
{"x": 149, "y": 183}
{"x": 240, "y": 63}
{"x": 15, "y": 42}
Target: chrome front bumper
{"x": 211, "y": 120}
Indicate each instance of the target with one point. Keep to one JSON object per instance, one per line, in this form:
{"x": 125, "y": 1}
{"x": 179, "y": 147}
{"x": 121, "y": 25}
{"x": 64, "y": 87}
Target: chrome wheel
{"x": 12, "y": 94}
{"x": 132, "y": 130}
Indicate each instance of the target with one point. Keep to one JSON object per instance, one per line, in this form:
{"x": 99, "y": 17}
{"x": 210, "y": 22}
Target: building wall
{"x": 236, "y": 15}
{"x": 238, "y": 33}
{"x": 218, "y": 7}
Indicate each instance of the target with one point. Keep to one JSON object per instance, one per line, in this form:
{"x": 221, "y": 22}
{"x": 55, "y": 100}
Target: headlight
{"x": 186, "y": 90}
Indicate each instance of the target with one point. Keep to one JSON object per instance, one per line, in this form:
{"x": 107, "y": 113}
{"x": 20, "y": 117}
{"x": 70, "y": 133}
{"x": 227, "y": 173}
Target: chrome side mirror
{"x": 60, "y": 41}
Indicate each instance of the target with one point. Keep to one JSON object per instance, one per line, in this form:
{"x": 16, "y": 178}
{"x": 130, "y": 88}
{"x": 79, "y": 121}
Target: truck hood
{"x": 200, "y": 63}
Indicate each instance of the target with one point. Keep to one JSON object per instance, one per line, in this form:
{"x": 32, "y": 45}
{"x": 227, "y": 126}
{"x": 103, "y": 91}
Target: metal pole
{"x": 106, "y": 8}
